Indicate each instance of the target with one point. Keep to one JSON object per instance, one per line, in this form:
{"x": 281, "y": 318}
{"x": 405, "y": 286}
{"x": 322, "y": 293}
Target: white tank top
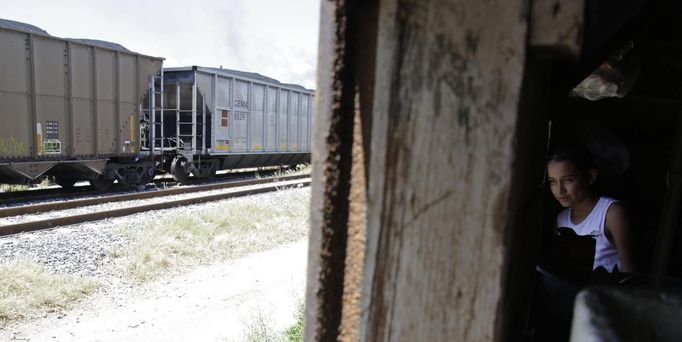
{"x": 605, "y": 253}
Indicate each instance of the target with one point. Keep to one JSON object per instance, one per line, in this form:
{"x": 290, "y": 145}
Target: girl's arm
{"x": 618, "y": 231}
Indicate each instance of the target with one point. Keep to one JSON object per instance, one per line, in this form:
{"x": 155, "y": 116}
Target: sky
{"x": 276, "y": 38}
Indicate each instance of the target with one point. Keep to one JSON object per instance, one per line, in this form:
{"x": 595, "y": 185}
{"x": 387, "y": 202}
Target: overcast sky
{"x": 276, "y": 38}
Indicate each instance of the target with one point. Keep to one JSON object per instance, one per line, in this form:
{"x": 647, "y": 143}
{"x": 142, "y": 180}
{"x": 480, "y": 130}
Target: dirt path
{"x": 211, "y": 303}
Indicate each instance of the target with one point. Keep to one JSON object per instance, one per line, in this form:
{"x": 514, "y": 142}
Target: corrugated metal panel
{"x": 272, "y": 120}
{"x": 239, "y": 131}
{"x": 84, "y": 121}
{"x": 105, "y": 127}
{"x": 13, "y": 59}
{"x": 106, "y": 111}
{"x": 304, "y": 127}
{"x": 256, "y": 117}
{"x": 51, "y": 95}
{"x": 50, "y": 60}
{"x": 15, "y": 136}
{"x": 81, "y": 57}
{"x": 128, "y": 128}
{"x": 16, "y": 133}
{"x": 128, "y": 124}
{"x": 105, "y": 75}
{"x": 283, "y": 120}
{"x": 224, "y": 92}
{"x": 241, "y": 95}
{"x": 293, "y": 122}
{"x": 127, "y": 80}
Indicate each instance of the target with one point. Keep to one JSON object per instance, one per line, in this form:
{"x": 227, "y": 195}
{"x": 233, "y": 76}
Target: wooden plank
{"x": 418, "y": 246}
{"x": 448, "y": 82}
{"x": 557, "y": 27}
{"x": 324, "y": 288}
{"x": 341, "y": 141}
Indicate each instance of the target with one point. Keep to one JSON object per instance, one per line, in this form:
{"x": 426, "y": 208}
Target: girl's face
{"x": 568, "y": 184}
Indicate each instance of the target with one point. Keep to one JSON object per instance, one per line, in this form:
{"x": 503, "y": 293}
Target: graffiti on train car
{"x": 12, "y": 146}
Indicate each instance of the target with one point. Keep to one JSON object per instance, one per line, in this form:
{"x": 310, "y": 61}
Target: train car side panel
{"x": 104, "y": 114}
{"x": 82, "y": 100}
{"x": 16, "y": 133}
{"x": 256, "y": 118}
{"x": 128, "y": 124}
{"x": 51, "y": 97}
{"x": 271, "y": 131}
{"x": 240, "y": 129}
{"x": 251, "y": 121}
{"x": 293, "y": 122}
{"x": 304, "y": 126}
{"x": 283, "y": 120}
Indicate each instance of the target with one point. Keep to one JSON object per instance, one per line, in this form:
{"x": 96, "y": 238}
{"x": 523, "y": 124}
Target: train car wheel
{"x": 101, "y": 183}
{"x": 211, "y": 173}
{"x": 65, "y": 183}
{"x": 147, "y": 177}
{"x": 179, "y": 169}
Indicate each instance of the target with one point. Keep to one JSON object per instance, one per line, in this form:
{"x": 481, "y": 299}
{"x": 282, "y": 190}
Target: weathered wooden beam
{"x": 341, "y": 144}
{"x": 556, "y": 27}
{"x": 413, "y": 218}
{"x": 447, "y": 91}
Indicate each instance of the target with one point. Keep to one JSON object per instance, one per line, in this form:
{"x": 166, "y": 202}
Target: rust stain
{"x": 337, "y": 170}
{"x": 357, "y": 236}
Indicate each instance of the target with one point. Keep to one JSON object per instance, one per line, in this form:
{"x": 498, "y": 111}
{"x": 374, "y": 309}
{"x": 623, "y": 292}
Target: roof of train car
{"x": 19, "y": 26}
{"x": 241, "y": 74}
{"x": 28, "y": 28}
{"x": 101, "y": 43}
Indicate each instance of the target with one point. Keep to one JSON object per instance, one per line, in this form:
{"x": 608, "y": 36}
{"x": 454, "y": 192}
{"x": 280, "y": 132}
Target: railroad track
{"x": 12, "y": 198}
{"x": 273, "y": 183}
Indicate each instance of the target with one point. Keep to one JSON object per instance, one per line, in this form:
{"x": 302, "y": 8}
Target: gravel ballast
{"x": 90, "y": 250}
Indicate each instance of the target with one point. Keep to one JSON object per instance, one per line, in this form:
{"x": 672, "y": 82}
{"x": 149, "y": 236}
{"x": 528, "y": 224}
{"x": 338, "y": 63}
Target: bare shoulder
{"x": 616, "y": 214}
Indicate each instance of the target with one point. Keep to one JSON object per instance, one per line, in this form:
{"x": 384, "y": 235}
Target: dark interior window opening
{"x": 631, "y": 135}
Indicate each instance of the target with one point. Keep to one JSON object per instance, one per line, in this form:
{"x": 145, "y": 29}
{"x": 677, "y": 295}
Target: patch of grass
{"x": 300, "y": 169}
{"x": 27, "y": 289}
{"x": 22, "y": 187}
{"x": 295, "y": 332}
{"x": 259, "y": 330}
{"x": 13, "y": 187}
{"x": 231, "y": 229}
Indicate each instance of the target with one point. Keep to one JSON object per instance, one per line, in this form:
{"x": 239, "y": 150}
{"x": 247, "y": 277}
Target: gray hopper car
{"x": 213, "y": 119}
{"x": 70, "y": 108}
{"x": 78, "y": 109}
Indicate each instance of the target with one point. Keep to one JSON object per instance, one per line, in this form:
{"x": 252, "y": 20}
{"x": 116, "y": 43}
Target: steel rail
{"x": 82, "y": 218}
{"x": 52, "y": 206}
{"x": 9, "y": 198}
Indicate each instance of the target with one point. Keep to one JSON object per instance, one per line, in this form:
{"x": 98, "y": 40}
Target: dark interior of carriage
{"x": 633, "y": 140}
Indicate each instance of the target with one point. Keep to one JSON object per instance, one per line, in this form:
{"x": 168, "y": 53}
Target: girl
{"x": 571, "y": 174}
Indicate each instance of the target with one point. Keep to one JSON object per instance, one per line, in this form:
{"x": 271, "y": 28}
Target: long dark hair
{"x": 579, "y": 155}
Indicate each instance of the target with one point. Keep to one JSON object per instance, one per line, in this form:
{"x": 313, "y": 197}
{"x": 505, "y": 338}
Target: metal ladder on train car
{"x": 191, "y": 138}
{"x": 152, "y": 112}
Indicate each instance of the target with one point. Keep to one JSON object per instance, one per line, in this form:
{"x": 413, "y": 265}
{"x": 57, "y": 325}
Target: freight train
{"x": 90, "y": 110}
